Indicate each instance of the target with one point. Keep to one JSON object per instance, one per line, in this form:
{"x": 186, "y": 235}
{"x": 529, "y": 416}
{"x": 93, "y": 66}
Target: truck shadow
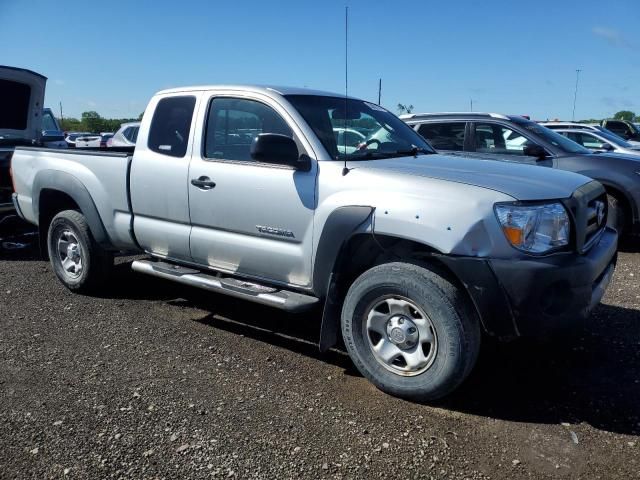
{"x": 593, "y": 377}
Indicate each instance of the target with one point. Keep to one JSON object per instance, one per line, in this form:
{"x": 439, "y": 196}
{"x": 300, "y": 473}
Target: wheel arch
{"x": 55, "y": 191}
{"x": 628, "y": 205}
{"x": 363, "y": 250}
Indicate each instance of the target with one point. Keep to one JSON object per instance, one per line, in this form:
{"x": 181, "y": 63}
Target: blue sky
{"x": 509, "y": 56}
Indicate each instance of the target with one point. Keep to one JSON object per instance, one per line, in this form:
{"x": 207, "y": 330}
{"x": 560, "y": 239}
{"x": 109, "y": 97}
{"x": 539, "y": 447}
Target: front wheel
{"x": 77, "y": 260}
{"x": 410, "y": 331}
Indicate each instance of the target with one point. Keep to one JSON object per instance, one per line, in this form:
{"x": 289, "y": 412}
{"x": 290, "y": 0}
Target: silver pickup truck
{"x": 296, "y": 198}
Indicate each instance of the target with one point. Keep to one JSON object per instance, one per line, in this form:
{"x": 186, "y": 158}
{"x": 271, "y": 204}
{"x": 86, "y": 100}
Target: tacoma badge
{"x": 281, "y": 232}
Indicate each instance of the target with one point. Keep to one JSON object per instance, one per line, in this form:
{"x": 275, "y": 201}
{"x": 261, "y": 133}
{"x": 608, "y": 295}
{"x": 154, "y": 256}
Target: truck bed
{"x": 103, "y": 174}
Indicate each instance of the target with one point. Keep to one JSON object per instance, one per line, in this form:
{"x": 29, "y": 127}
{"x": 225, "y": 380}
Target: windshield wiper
{"x": 414, "y": 151}
{"x": 373, "y": 154}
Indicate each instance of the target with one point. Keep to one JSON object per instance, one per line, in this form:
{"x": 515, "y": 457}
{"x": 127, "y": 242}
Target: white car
{"x": 89, "y": 141}
{"x": 348, "y": 139}
{"x": 73, "y": 136}
{"x": 126, "y": 136}
{"x": 584, "y": 126}
{"x": 600, "y": 141}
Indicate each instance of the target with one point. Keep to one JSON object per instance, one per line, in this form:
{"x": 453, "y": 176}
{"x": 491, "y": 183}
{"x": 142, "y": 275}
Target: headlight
{"x": 534, "y": 228}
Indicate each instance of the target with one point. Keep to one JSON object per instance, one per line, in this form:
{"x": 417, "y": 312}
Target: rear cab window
{"x": 171, "y": 126}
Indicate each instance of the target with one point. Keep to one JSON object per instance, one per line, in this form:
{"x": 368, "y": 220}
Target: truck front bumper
{"x": 535, "y": 296}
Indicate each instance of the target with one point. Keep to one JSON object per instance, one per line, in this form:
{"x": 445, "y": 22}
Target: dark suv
{"x": 623, "y": 128}
{"x": 490, "y": 136}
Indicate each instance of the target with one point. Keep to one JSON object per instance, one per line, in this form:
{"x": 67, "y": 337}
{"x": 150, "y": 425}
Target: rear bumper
{"x": 535, "y": 296}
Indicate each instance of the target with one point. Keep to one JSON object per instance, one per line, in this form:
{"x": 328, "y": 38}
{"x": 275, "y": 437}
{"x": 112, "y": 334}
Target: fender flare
{"x": 339, "y": 227}
{"x": 629, "y": 199}
{"x": 71, "y": 186}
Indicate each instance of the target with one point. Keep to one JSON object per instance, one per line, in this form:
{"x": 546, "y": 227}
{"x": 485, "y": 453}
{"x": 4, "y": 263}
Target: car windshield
{"x": 613, "y": 138}
{"x": 554, "y": 138}
{"x": 352, "y": 129}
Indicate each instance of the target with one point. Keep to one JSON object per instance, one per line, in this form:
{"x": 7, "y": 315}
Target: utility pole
{"x": 575, "y": 95}
{"x": 379, "y": 90}
{"x": 61, "y": 117}
{"x": 471, "y": 104}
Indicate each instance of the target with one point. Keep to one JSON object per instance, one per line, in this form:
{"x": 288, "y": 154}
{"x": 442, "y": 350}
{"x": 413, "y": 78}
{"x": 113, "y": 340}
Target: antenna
{"x": 345, "y": 170}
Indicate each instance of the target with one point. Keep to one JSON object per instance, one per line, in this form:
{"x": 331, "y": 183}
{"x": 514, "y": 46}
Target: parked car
{"x": 413, "y": 254}
{"x": 516, "y": 139}
{"x": 584, "y": 126}
{"x": 52, "y": 135}
{"x": 72, "y": 137}
{"x": 21, "y": 98}
{"x": 600, "y": 141}
{"x": 623, "y": 128}
{"x": 104, "y": 139}
{"x": 126, "y": 136}
{"x": 348, "y": 139}
{"x": 88, "y": 141}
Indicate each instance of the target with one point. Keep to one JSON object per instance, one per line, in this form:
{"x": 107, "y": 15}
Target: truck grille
{"x": 588, "y": 206}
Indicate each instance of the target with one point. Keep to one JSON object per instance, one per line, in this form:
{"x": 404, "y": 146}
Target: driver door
{"x": 249, "y": 218}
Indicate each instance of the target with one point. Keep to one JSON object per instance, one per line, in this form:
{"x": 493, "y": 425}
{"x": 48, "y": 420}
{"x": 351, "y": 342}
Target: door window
{"x": 444, "y": 136}
{"x": 170, "y": 126}
{"x": 586, "y": 140}
{"x": 131, "y": 134}
{"x": 494, "y": 138}
{"x": 233, "y": 123}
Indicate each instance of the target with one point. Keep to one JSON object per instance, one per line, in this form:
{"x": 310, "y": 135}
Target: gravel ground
{"x": 157, "y": 381}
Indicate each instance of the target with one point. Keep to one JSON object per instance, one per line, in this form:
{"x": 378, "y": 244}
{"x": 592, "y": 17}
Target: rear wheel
{"x": 410, "y": 331}
{"x": 77, "y": 260}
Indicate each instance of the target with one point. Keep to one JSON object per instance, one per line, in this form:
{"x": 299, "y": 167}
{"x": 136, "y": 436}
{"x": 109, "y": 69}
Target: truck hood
{"x": 522, "y": 182}
{"x": 21, "y": 98}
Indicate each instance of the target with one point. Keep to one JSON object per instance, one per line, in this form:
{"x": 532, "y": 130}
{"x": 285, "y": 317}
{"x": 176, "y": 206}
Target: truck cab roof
{"x": 266, "y": 89}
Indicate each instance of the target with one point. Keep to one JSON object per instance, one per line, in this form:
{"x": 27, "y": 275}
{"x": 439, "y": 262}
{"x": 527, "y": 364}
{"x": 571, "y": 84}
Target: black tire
{"x": 456, "y": 325}
{"x": 95, "y": 264}
{"x": 616, "y": 217}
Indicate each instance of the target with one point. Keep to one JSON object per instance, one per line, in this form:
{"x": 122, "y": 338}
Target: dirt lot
{"x": 156, "y": 381}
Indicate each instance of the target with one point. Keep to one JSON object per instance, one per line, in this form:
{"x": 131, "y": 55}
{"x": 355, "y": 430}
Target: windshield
{"x": 554, "y": 138}
{"x": 613, "y": 138}
{"x": 356, "y": 130}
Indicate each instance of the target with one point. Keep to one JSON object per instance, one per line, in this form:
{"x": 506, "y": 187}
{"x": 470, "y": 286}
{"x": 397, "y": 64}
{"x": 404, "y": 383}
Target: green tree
{"x": 402, "y": 108}
{"x": 625, "y": 115}
{"x": 92, "y": 121}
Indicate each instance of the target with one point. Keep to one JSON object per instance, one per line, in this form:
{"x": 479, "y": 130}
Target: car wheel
{"x": 77, "y": 260}
{"x": 410, "y": 331}
{"x": 616, "y": 217}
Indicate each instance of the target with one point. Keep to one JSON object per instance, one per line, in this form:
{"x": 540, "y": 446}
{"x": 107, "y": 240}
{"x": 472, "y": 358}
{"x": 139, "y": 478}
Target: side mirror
{"x": 534, "y": 150}
{"x": 606, "y": 147}
{"x": 278, "y": 149}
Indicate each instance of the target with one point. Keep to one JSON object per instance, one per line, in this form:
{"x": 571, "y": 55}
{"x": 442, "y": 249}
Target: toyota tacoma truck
{"x": 414, "y": 257}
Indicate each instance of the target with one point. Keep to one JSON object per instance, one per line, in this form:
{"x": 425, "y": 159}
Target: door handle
{"x": 204, "y": 183}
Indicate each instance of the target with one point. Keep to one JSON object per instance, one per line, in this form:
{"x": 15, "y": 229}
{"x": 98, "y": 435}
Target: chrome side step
{"x": 254, "y": 292}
